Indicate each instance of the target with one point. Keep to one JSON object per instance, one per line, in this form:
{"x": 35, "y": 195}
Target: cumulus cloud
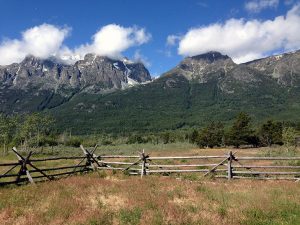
{"x": 113, "y": 39}
{"x": 245, "y": 40}
{"x": 41, "y": 41}
{"x": 256, "y": 6}
{"x": 139, "y": 57}
{"x": 47, "y": 40}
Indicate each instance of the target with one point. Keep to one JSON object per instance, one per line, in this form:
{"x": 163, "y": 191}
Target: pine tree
{"x": 211, "y": 136}
{"x": 240, "y": 133}
{"x": 271, "y": 133}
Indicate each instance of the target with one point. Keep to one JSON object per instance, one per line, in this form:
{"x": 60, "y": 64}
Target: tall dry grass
{"x": 119, "y": 199}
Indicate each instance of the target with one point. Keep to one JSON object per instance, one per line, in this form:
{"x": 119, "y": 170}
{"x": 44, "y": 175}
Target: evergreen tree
{"x": 211, "y": 135}
{"x": 271, "y": 133}
{"x": 240, "y": 133}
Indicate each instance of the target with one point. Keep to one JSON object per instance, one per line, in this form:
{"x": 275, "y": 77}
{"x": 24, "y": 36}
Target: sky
{"x": 159, "y": 33}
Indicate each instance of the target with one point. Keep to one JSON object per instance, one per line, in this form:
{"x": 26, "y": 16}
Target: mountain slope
{"x": 284, "y": 68}
{"x": 203, "y": 88}
{"x": 35, "y": 84}
{"x": 200, "y": 89}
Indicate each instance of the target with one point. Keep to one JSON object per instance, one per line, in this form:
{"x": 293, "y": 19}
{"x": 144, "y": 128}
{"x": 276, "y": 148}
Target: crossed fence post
{"x": 24, "y": 162}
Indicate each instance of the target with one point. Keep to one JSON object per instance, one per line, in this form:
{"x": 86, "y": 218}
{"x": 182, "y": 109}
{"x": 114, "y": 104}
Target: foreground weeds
{"x": 119, "y": 199}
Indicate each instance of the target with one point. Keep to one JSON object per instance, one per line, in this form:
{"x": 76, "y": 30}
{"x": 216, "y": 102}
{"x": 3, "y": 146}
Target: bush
{"x": 42, "y": 141}
{"x": 74, "y": 142}
{"x": 107, "y": 142}
{"x": 194, "y": 136}
{"x": 136, "y": 139}
{"x": 89, "y": 141}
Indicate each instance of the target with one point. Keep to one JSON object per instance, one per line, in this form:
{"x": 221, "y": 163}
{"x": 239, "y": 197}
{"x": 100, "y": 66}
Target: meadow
{"x": 115, "y": 198}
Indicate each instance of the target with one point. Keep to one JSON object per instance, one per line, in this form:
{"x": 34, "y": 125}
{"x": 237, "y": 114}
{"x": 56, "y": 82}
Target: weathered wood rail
{"x": 219, "y": 166}
{"x": 227, "y": 166}
{"x": 26, "y": 168}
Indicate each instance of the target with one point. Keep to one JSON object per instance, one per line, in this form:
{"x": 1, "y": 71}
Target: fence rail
{"x": 22, "y": 170}
{"x": 227, "y": 166}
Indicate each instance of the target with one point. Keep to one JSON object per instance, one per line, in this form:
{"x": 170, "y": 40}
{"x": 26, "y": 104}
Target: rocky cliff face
{"x": 36, "y": 84}
{"x": 215, "y": 67}
{"x": 285, "y": 68}
{"x": 204, "y": 67}
{"x": 94, "y": 74}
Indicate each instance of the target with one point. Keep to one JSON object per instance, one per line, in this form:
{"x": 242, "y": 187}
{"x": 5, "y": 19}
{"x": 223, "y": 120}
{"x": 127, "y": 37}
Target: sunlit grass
{"x": 120, "y": 199}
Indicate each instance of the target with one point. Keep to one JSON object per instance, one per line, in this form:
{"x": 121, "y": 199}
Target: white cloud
{"x": 255, "y": 6}
{"x": 245, "y": 40}
{"x": 112, "y": 40}
{"x": 47, "y": 40}
{"x": 173, "y": 39}
{"x": 138, "y": 57}
{"x": 41, "y": 41}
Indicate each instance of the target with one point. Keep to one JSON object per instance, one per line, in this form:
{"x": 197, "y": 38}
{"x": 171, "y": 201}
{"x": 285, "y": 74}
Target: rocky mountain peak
{"x": 210, "y": 57}
{"x": 93, "y": 73}
{"x": 200, "y": 67}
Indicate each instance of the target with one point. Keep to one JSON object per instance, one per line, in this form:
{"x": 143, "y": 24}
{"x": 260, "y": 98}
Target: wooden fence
{"x": 219, "y": 166}
{"x": 24, "y": 170}
{"x": 227, "y": 166}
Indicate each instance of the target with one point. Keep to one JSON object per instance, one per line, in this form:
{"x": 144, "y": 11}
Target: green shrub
{"x": 74, "y": 142}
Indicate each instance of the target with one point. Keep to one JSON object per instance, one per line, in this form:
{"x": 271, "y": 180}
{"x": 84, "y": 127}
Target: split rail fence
{"x": 229, "y": 166}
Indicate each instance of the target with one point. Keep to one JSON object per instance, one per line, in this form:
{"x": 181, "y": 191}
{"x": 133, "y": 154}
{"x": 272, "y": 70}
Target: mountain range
{"x": 99, "y": 94}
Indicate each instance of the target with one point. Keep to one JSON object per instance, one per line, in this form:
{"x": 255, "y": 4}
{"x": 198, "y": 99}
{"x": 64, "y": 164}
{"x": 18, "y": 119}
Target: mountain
{"x": 285, "y": 68}
{"x": 36, "y": 84}
{"x": 202, "y": 88}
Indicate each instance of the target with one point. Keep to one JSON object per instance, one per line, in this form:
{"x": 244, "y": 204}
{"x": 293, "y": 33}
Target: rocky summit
{"x": 41, "y": 83}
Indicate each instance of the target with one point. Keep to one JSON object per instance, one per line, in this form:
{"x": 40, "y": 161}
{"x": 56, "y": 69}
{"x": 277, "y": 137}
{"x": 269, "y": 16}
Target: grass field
{"x": 121, "y": 199}
{"x": 109, "y": 198}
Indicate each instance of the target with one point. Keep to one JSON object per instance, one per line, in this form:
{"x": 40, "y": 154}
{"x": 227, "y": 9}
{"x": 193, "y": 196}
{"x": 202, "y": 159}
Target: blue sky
{"x": 158, "y": 19}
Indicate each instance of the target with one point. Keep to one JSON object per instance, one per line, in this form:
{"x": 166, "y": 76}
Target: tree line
{"x": 27, "y": 130}
{"x": 34, "y": 130}
{"x": 242, "y": 133}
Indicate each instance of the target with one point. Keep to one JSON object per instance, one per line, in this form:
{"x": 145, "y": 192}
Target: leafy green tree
{"x": 8, "y": 128}
{"x": 271, "y": 133}
{"x": 241, "y": 131}
{"x": 289, "y": 136}
{"x": 211, "y": 135}
{"x": 194, "y": 136}
{"x": 35, "y": 127}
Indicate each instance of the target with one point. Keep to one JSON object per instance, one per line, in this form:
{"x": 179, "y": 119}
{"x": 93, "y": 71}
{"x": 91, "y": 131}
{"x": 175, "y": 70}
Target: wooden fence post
{"x": 91, "y": 158}
{"x": 23, "y": 170}
{"x": 229, "y": 166}
{"x": 144, "y": 160}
